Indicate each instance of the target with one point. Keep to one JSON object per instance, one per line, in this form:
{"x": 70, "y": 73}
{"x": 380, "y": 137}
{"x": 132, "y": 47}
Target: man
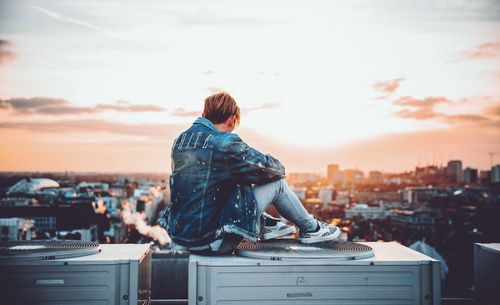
{"x": 220, "y": 188}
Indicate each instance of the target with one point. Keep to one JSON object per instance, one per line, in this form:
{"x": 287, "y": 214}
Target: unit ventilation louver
{"x": 282, "y": 249}
{"x": 45, "y": 249}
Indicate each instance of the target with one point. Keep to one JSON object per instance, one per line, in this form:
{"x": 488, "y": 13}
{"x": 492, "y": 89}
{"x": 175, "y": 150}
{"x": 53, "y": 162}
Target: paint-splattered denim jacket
{"x": 211, "y": 186}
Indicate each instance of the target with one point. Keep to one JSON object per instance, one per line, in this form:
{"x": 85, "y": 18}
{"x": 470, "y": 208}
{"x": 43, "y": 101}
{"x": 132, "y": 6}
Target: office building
{"x": 484, "y": 177}
{"x": 353, "y": 176}
{"x": 495, "y": 174}
{"x": 375, "y": 177}
{"x": 333, "y": 173}
{"x": 367, "y": 212}
{"x": 470, "y": 175}
{"x": 454, "y": 171}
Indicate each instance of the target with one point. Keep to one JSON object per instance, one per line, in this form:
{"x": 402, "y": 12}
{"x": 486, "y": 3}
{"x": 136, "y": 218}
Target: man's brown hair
{"x": 220, "y": 106}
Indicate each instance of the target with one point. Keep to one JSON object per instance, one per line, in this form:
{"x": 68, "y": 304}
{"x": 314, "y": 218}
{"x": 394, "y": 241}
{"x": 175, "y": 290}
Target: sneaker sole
{"x": 276, "y": 234}
{"x": 318, "y": 239}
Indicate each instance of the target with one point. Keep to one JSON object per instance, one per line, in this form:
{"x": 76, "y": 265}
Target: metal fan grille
{"x": 46, "y": 249}
{"x": 292, "y": 249}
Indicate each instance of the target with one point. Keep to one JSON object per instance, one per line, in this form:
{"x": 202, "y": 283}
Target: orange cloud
{"x": 56, "y": 106}
{"x": 33, "y": 150}
{"x": 216, "y": 90}
{"x": 192, "y": 113}
{"x": 483, "y": 51}
{"x": 494, "y": 110}
{"x": 419, "y": 109}
{"x": 152, "y": 130}
{"x": 99, "y": 145}
{"x": 21, "y": 151}
{"x": 465, "y": 118}
{"x": 423, "y": 109}
{"x": 6, "y": 55}
{"x": 185, "y": 113}
{"x": 264, "y": 106}
{"x": 387, "y": 87}
{"x": 390, "y": 152}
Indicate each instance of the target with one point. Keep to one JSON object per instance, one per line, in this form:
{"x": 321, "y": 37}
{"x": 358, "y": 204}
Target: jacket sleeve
{"x": 249, "y": 165}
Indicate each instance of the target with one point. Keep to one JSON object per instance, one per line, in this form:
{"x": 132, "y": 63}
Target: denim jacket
{"x": 211, "y": 186}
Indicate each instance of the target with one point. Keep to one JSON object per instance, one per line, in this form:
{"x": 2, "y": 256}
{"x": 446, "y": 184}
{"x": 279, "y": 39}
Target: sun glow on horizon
{"x": 317, "y": 77}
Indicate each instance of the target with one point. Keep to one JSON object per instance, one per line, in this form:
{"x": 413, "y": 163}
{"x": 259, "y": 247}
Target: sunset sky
{"x": 375, "y": 85}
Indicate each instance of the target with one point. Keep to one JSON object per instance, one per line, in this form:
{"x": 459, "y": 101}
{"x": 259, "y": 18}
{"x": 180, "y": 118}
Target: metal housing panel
{"x": 355, "y": 283}
{"x": 192, "y": 282}
{"x": 486, "y": 275}
{"x": 393, "y": 280}
{"x": 110, "y": 278}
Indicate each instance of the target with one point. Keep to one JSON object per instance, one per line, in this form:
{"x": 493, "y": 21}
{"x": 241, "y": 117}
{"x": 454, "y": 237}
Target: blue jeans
{"x": 286, "y": 203}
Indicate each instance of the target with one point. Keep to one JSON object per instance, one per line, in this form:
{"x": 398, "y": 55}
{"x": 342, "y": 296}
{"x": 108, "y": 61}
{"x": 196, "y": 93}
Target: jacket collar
{"x": 206, "y": 122}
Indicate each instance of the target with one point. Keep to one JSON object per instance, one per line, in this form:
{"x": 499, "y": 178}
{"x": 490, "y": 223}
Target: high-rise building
{"x": 454, "y": 170}
{"x": 333, "y": 173}
{"x": 353, "y": 176}
{"x": 484, "y": 177}
{"x": 298, "y": 178}
{"x": 495, "y": 173}
{"x": 375, "y": 177}
{"x": 470, "y": 175}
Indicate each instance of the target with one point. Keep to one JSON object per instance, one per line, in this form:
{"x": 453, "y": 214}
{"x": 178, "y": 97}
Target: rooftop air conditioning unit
{"x": 73, "y": 272}
{"x": 486, "y": 275}
{"x": 291, "y": 273}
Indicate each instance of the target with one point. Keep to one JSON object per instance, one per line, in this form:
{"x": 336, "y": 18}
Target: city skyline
{"x": 320, "y": 174}
{"x": 379, "y": 87}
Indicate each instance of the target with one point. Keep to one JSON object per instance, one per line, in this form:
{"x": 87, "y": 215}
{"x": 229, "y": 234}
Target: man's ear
{"x": 232, "y": 121}
{"x": 203, "y": 114}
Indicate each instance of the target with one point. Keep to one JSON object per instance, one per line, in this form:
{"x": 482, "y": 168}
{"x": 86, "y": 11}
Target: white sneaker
{"x": 326, "y": 232}
{"x": 275, "y": 227}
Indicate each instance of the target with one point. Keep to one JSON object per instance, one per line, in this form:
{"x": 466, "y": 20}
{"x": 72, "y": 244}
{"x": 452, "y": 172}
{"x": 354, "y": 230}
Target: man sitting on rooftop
{"x": 220, "y": 188}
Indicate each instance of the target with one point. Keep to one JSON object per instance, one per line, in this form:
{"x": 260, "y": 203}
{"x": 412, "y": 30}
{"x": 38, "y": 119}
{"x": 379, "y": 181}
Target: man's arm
{"x": 249, "y": 165}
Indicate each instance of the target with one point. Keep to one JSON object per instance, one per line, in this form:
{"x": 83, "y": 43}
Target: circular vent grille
{"x": 279, "y": 249}
{"x": 46, "y": 249}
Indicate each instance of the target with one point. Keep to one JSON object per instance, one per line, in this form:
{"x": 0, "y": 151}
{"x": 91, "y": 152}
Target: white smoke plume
{"x": 137, "y": 220}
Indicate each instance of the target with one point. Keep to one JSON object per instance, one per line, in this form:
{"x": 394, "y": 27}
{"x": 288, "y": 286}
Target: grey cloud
{"x": 27, "y": 104}
{"x": 6, "y": 55}
{"x": 55, "y": 106}
{"x": 485, "y": 10}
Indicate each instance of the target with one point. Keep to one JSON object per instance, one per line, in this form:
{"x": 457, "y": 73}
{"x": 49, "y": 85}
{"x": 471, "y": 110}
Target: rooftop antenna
{"x": 492, "y": 153}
